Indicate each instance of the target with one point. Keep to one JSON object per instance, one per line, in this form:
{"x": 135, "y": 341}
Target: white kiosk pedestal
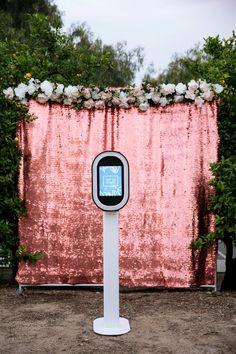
{"x": 111, "y": 323}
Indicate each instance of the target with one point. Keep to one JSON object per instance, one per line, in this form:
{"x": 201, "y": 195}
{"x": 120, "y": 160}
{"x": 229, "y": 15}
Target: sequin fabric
{"x": 169, "y": 151}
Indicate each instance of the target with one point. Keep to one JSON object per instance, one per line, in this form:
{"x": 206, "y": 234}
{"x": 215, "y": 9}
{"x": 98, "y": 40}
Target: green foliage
{"x": 181, "y": 68}
{"x": 48, "y": 53}
{"x": 32, "y": 44}
{"x": 222, "y": 203}
{"x": 32, "y": 257}
{"x": 10, "y": 205}
{"x": 221, "y": 67}
{"x": 17, "y": 12}
{"x": 204, "y": 242}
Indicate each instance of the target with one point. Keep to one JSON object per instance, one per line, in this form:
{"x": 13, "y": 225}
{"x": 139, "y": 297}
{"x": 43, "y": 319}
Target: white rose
{"x": 163, "y": 101}
{"x": 192, "y": 85}
{"x": 180, "y": 89}
{"x": 86, "y": 93}
{"x": 67, "y": 101}
{"x": 9, "y": 93}
{"x": 137, "y": 92}
{"x": 124, "y": 105}
{"x": 47, "y": 87}
{"x": 143, "y": 106}
{"x": 115, "y": 101}
{"x": 72, "y": 92}
{"x": 208, "y": 95}
{"x": 131, "y": 99}
{"x": 167, "y": 89}
{"x": 100, "y": 104}
{"x": 190, "y": 95}
{"x": 34, "y": 82}
{"x": 106, "y": 96}
{"x": 89, "y": 104}
{"x": 141, "y": 99}
{"x": 156, "y": 97}
{"x": 95, "y": 95}
{"x": 31, "y": 88}
{"x": 42, "y": 98}
{"x": 20, "y": 91}
{"x": 204, "y": 86}
{"x": 123, "y": 100}
{"x": 218, "y": 88}
{"x": 56, "y": 98}
{"x": 59, "y": 89}
{"x": 199, "y": 101}
{"x": 178, "y": 98}
{"x": 148, "y": 96}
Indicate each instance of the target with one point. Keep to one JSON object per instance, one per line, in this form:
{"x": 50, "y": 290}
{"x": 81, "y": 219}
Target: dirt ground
{"x": 60, "y": 321}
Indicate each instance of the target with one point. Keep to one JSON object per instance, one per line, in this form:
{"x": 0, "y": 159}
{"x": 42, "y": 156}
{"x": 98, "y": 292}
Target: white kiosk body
{"x": 110, "y": 190}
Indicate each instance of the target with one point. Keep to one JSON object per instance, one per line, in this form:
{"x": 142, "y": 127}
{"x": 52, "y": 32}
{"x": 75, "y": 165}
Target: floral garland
{"x": 142, "y": 97}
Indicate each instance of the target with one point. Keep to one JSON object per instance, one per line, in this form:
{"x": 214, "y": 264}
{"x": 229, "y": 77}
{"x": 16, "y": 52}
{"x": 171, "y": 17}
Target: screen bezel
{"x": 110, "y": 161}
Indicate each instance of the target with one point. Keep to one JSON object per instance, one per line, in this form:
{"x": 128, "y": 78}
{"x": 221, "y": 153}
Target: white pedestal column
{"x": 111, "y": 323}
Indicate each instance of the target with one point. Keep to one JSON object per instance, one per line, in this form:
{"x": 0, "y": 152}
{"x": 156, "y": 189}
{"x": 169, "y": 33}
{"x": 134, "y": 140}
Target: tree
{"x": 181, "y": 68}
{"x": 216, "y": 62}
{"x": 18, "y": 10}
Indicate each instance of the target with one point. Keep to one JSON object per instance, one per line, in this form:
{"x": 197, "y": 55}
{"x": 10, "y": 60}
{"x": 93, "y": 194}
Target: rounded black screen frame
{"x": 110, "y": 161}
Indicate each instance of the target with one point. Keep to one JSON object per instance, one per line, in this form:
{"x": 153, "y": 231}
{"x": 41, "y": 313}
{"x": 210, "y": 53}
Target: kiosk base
{"x": 100, "y": 327}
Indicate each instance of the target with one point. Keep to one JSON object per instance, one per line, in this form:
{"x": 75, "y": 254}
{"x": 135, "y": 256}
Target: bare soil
{"x": 60, "y": 321}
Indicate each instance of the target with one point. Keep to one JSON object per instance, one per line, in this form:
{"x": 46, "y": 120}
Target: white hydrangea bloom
{"x": 86, "y": 93}
{"x": 131, "y": 99}
{"x": 137, "y": 92}
{"x": 156, "y": 97}
{"x": 106, "y": 96}
{"x": 141, "y": 99}
{"x": 42, "y": 98}
{"x": 124, "y": 105}
{"x": 163, "y": 101}
{"x": 95, "y": 94}
{"x": 208, "y": 95}
{"x": 190, "y": 95}
{"x": 57, "y": 95}
{"x": 9, "y": 93}
{"x": 180, "y": 89}
{"x": 218, "y": 88}
{"x": 204, "y": 86}
{"x": 32, "y": 88}
{"x": 71, "y": 92}
{"x": 148, "y": 95}
{"x": 178, "y": 98}
{"x": 89, "y": 104}
{"x": 143, "y": 106}
{"x": 67, "y": 101}
{"x": 115, "y": 101}
{"x": 123, "y": 100}
{"x": 167, "y": 89}
{"x": 20, "y": 91}
{"x": 192, "y": 85}
{"x": 100, "y": 104}
{"x": 47, "y": 87}
{"x": 199, "y": 101}
{"x": 59, "y": 89}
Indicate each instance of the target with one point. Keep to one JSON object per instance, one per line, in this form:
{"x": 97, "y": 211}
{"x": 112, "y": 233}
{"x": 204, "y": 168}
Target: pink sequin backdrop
{"x": 169, "y": 151}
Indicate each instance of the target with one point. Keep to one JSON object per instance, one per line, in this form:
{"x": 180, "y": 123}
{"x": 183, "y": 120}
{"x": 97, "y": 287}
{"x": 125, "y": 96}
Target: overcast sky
{"x": 161, "y": 27}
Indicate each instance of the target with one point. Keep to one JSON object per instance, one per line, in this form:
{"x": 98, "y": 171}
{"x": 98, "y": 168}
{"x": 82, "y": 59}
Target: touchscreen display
{"x": 110, "y": 181}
